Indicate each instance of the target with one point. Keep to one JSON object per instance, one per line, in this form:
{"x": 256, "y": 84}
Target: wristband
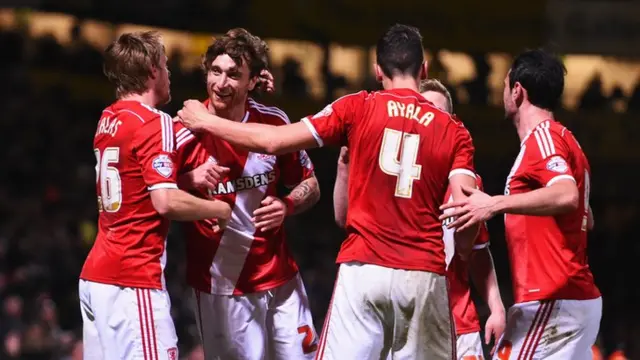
{"x": 289, "y": 203}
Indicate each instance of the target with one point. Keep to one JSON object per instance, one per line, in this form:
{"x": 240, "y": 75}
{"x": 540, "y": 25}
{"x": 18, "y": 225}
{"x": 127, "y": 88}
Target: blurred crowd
{"x": 48, "y": 207}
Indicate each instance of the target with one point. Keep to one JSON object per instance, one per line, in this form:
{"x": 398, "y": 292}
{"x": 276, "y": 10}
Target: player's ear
{"x": 378, "y": 72}
{"x": 518, "y": 93}
{"x": 154, "y": 73}
{"x": 424, "y": 70}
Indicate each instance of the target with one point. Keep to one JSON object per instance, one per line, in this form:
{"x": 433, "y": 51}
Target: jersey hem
{"x": 469, "y": 330}
{"x": 266, "y": 287}
{"x": 524, "y": 299}
{"x": 127, "y": 284}
{"x": 439, "y": 270}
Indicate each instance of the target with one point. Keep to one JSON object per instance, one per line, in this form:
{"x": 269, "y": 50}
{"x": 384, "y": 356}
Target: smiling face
{"x": 228, "y": 83}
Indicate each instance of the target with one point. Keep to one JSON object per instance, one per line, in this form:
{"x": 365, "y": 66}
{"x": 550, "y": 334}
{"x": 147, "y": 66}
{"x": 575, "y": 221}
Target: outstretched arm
{"x": 261, "y": 138}
{"x": 558, "y": 198}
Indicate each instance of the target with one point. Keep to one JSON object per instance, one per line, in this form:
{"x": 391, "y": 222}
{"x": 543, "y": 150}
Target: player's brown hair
{"x": 241, "y": 46}
{"x": 129, "y": 61}
{"x": 437, "y": 86}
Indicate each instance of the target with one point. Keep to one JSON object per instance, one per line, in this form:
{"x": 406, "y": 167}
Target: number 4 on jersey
{"x": 108, "y": 177}
{"x": 398, "y": 155}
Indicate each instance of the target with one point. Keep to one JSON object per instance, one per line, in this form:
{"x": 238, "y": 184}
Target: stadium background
{"x": 52, "y": 91}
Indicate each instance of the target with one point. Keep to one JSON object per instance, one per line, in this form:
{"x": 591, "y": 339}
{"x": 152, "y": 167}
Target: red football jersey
{"x": 135, "y": 152}
{"x": 464, "y": 311}
{"x": 241, "y": 259}
{"x": 549, "y": 253}
{"x": 402, "y": 150}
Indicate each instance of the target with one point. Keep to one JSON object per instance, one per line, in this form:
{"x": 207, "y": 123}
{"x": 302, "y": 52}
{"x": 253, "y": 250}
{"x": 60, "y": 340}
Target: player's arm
{"x": 340, "y": 198}
{"x": 463, "y": 175}
{"x": 176, "y": 204}
{"x": 558, "y": 198}
{"x": 156, "y": 150}
{"x": 261, "y": 138}
{"x": 329, "y": 126}
{"x": 303, "y": 196}
{"x": 548, "y": 167}
{"x": 590, "y": 220}
{"x": 297, "y": 173}
{"x": 483, "y": 276}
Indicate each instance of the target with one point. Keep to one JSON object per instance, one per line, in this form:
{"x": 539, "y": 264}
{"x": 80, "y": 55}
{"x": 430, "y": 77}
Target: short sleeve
{"x": 331, "y": 125}
{"x": 463, "y": 152}
{"x": 154, "y": 145}
{"x": 189, "y": 151}
{"x": 295, "y": 167}
{"x": 547, "y": 161}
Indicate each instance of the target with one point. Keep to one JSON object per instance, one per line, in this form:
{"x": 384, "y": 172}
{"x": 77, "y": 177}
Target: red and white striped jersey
{"x": 241, "y": 259}
{"x": 549, "y": 253}
{"x": 135, "y": 152}
{"x": 464, "y": 311}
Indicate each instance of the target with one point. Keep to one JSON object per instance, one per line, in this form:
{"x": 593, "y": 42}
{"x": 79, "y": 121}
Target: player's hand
{"x": 478, "y": 207}
{"x": 271, "y": 214}
{"x": 222, "y": 221}
{"x": 193, "y": 115}
{"x": 207, "y": 175}
{"x": 267, "y": 81}
{"x": 494, "y": 326}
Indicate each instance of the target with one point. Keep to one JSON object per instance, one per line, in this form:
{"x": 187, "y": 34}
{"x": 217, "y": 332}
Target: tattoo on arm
{"x": 305, "y": 195}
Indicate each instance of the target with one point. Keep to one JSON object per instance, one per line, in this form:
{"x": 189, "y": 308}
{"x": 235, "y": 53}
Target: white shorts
{"x": 378, "y": 312}
{"x": 469, "y": 347}
{"x": 272, "y": 325}
{"x": 551, "y": 329}
{"x": 126, "y": 323}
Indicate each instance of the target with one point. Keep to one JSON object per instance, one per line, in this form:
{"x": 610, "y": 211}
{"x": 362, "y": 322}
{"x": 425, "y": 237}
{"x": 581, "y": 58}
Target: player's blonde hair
{"x": 436, "y": 86}
{"x": 129, "y": 61}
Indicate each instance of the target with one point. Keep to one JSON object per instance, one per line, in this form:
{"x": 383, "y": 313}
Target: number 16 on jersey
{"x": 108, "y": 177}
{"x": 398, "y": 155}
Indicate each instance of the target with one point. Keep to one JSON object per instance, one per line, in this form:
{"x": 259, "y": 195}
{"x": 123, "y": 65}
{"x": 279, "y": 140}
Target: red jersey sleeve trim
{"x": 462, "y": 172}
{"x": 544, "y": 140}
{"x": 183, "y": 136}
{"x": 163, "y": 186}
{"x": 560, "y": 177}
{"x": 313, "y": 131}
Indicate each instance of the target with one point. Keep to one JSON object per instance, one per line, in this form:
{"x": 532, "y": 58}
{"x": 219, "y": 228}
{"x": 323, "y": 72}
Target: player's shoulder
{"x": 136, "y": 111}
{"x": 182, "y": 135}
{"x": 549, "y": 138}
{"x": 267, "y": 114}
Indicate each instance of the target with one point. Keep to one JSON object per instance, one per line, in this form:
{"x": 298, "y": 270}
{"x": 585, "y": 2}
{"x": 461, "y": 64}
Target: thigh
{"x": 291, "y": 332}
{"x": 132, "y": 323}
{"x": 571, "y": 330}
{"x": 232, "y": 327}
{"x": 354, "y": 327}
{"x": 92, "y": 348}
{"x": 422, "y": 317}
{"x": 526, "y": 323}
{"x": 469, "y": 347}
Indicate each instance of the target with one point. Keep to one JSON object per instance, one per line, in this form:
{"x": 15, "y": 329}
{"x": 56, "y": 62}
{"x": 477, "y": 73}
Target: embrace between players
{"x": 405, "y": 264}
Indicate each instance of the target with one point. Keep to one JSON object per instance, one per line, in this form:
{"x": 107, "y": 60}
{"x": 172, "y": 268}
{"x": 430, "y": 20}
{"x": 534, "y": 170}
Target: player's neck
{"x": 235, "y": 113}
{"x": 147, "y": 98}
{"x": 400, "y": 82}
{"x": 530, "y": 117}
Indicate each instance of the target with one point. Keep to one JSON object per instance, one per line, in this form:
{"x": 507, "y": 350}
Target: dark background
{"x": 52, "y": 92}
